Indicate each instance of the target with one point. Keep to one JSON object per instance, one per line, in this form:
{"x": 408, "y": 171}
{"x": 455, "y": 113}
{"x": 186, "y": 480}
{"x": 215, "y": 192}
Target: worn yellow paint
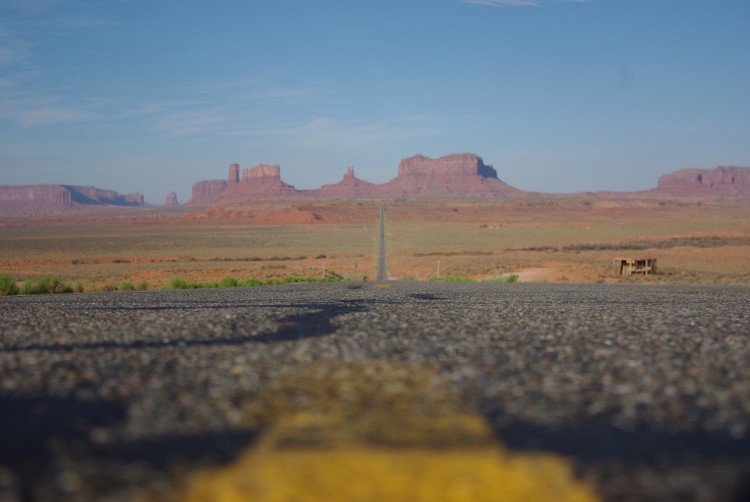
{"x": 389, "y": 474}
{"x": 378, "y": 431}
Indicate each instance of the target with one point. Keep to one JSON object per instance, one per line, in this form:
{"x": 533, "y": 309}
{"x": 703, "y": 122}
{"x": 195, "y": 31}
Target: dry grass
{"x": 103, "y": 253}
{"x": 563, "y": 240}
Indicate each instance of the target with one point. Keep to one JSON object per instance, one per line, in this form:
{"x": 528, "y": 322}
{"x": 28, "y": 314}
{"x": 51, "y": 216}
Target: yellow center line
{"x": 378, "y": 430}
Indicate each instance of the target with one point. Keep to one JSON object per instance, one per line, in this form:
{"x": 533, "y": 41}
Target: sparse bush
{"x": 46, "y": 285}
{"x": 250, "y": 282}
{"x": 141, "y": 286}
{"x": 8, "y": 285}
{"x": 109, "y": 287}
{"x": 511, "y": 278}
{"x": 452, "y": 278}
{"x": 179, "y": 283}
{"x": 228, "y": 282}
{"x": 125, "y": 286}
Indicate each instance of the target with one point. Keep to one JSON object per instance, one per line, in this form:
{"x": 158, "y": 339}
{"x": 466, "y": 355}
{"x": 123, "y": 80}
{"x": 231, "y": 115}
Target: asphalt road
{"x": 382, "y": 274}
{"x": 645, "y": 389}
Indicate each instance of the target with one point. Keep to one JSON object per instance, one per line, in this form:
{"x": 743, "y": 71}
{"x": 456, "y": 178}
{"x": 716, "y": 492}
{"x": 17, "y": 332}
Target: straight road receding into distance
{"x": 382, "y": 271}
{"x": 620, "y": 392}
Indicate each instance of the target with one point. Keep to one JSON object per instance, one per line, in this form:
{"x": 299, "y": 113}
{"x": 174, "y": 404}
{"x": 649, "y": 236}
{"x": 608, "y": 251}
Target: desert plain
{"x": 562, "y": 239}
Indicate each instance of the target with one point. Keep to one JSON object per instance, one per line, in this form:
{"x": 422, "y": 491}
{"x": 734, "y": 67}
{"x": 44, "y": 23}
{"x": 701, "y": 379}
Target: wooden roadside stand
{"x": 634, "y": 266}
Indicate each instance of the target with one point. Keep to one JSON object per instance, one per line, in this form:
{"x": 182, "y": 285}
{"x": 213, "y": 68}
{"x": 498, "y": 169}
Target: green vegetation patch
{"x": 46, "y": 285}
{"x": 452, "y": 278}
{"x": 231, "y": 282}
{"x": 8, "y": 285}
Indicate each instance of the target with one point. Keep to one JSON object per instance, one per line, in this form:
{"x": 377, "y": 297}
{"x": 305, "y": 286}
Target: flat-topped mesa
{"x": 261, "y": 172}
{"x": 42, "y": 198}
{"x": 457, "y": 164}
{"x": 459, "y": 174}
{"x": 134, "y": 199}
{"x": 261, "y": 181}
{"x": 241, "y": 185}
{"x": 97, "y": 196}
{"x": 723, "y": 180}
{"x": 22, "y": 198}
{"x": 207, "y": 190}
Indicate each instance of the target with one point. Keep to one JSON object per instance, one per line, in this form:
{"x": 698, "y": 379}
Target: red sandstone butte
{"x": 34, "y": 198}
{"x": 171, "y": 200}
{"x": 207, "y": 190}
{"x": 461, "y": 174}
{"x": 456, "y": 175}
{"x": 724, "y": 181}
{"x": 261, "y": 181}
{"x": 349, "y": 186}
{"x": 49, "y": 198}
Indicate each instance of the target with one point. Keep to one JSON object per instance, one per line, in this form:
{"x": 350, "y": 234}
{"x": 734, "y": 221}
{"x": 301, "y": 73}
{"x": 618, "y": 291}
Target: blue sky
{"x": 558, "y": 95}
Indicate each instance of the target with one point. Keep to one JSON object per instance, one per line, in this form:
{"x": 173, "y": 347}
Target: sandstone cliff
{"x": 234, "y": 174}
{"x": 99, "y": 197}
{"x": 721, "y": 181}
{"x": 457, "y": 175}
{"x": 44, "y": 198}
{"x": 171, "y": 200}
{"x": 261, "y": 181}
{"x": 462, "y": 175}
{"x": 207, "y": 190}
{"x": 457, "y": 164}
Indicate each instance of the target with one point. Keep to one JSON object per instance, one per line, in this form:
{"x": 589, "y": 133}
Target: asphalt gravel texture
{"x": 645, "y": 388}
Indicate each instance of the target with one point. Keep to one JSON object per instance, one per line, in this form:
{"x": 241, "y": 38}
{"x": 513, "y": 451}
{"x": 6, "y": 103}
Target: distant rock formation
{"x": 261, "y": 181}
{"x": 234, "y": 174}
{"x": 349, "y": 186}
{"x": 98, "y": 197}
{"x": 457, "y": 175}
{"x": 171, "y": 200}
{"x": 44, "y": 198}
{"x": 457, "y": 164}
{"x": 205, "y": 191}
{"x": 262, "y": 172}
{"x": 721, "y": 181}
{"x": 461, "y": 175}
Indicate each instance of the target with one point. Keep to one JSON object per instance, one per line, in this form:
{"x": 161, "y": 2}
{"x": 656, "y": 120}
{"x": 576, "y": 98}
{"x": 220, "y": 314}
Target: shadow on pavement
{"x": 28, "y": 424}
{"x": 606, "y": 442}
{"x": 722, "y": 461}
{"x": 31, "y": 428}
{"x": 291, "y": 327}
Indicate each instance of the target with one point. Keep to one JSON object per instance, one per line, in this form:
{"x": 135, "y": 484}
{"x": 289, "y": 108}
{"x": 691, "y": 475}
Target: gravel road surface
{"x": 645, "y": 389}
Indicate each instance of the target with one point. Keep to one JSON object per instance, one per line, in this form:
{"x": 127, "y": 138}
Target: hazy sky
{"x": 558, "y": 95}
